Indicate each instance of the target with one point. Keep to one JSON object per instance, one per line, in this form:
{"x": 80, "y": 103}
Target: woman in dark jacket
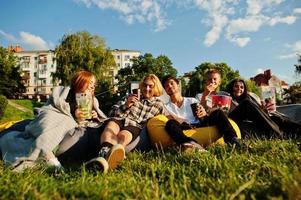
{"x": 246, "y": 109}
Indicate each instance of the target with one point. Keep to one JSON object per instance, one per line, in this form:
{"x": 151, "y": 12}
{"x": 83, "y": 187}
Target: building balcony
{"x": 26, "y": 77}
{"x": 42, "y": 76}
{"x": 43, "y": 61}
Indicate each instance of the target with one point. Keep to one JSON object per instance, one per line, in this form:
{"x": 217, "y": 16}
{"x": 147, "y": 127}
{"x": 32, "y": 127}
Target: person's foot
{"x": 192, "y": 146}
{"x": 114, "y": 155}
{"x": 235, "y": 142}
{"x": 97, "y": 164}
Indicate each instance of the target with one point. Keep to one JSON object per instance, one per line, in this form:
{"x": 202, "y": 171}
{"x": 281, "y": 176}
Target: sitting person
{"x": 212, "y": 83}
{"x": 47, "y": 130}
{"x": 183, "y": 117}
{"x": 127, "y": 121}
{"x": 245, "y": 107}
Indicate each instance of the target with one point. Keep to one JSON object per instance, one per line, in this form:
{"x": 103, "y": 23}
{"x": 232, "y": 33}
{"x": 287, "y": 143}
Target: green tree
{"x": 197, "y": 80}
{"x": 143, "y": 65}
{"x": 298, "y": 66}
{"x": 252, "y": 87}
{"x": 83, "y": 51}
{"x": 10, "y": 77}
{"x": 294, "y": 92}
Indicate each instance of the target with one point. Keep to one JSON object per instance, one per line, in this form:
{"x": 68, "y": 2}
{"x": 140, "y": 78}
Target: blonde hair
{"x": 158, "y": 89}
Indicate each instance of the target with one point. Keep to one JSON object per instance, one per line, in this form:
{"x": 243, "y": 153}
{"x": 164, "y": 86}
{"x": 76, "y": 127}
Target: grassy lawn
{"x": 260, "y": 170}
{"x": 28, "y": 103}
{"x": 13, "y": 114}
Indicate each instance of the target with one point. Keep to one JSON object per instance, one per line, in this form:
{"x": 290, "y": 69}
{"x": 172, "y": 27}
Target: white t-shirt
{"x": 185, "y": 111}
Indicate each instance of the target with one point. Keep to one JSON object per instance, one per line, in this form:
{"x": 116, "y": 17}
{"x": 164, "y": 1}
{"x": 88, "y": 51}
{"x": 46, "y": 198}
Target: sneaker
{"x": 114, "y": 155}
{"x": 54, "y": 162}
{"x": 97, "y": 164}
{"x": 192, "y": 146}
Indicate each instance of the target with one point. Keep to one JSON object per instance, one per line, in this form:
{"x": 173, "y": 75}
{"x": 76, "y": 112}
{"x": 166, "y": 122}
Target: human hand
{"x": 131, "y": 100}
{"x": 94, "y": 114}
{"x": 79, "y": 115}
{"x": 201, "y": 112}
{"x": 211, "y": 87}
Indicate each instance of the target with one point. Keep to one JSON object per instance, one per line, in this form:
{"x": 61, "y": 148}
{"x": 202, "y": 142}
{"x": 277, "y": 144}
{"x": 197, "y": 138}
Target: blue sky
{"x": 248, "y": 35}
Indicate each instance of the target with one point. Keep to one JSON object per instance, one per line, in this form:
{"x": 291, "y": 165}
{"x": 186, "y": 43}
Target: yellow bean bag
{"x": 204, "y": 136}
{"x": 6, "y": 125}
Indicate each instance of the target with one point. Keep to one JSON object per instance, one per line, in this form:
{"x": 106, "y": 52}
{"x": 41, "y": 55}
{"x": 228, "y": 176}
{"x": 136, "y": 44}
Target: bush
{"x": 3, "y": 104}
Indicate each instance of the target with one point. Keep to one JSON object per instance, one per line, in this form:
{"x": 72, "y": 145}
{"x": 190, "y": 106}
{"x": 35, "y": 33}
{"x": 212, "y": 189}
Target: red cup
{"x": 222, "y": 101}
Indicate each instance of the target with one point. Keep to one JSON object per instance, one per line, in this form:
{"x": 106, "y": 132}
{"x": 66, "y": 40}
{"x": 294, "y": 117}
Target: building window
{"x": 118, "y": 57}
{"x": 127, "y": 57}
{"x": 35, "y": 74}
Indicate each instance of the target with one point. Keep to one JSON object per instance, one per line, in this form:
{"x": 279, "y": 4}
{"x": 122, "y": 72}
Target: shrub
{"x": 3, "y": 104}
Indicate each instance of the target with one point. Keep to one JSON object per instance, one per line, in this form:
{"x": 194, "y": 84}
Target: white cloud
{"x": 34, "y": 41}
{"x": 8, "y": 37}
{"x": 29, "y": 40}
{"x": 259, "y": 71}
{"x": 284, "y": 20}
{"x": 297, "y": 11}
{"x": 131, "y": 11}
{"x": 234, "y": 19}
{"x": 294, "y": 50}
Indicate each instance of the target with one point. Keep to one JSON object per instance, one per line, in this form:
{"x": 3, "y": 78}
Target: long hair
{"x": 80, "y": 81}
{"x": 158, "y": 89}
{"x": 230, "y": 87}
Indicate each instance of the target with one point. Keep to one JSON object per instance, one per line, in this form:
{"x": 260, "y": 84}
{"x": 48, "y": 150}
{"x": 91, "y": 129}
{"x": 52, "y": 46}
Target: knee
{"x": 171, "y": 124}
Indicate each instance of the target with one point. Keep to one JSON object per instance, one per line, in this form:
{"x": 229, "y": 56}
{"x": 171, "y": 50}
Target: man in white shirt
{"x": 184, "y": 118}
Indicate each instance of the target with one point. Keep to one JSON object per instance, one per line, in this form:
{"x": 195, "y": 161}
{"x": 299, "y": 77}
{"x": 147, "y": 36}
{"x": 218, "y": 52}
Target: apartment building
{"x": 36, "y": 67}
{"x": 123, "y": 58}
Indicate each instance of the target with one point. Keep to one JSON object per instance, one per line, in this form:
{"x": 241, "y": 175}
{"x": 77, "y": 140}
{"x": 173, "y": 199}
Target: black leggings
{"x": 216, "y": 118}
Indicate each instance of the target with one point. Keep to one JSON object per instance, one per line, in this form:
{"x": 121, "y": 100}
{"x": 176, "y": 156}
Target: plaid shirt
{"x": 138, "y": 114}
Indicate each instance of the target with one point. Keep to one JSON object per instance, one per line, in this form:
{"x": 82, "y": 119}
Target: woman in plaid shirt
{"x": 127, "y": 121}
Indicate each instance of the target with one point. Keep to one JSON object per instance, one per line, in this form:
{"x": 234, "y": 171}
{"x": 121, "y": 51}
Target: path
{"x": 19, "y": 107}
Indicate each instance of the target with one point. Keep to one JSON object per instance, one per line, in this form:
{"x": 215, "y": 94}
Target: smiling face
{"x": 238, "y": 89}
{"x": 214, "y": 79}
{"x": 92, "y": 85}
{"x": 148, "y": 88}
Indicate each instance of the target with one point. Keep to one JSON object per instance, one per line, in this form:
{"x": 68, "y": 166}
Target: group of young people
{"x": 101, "y": 145}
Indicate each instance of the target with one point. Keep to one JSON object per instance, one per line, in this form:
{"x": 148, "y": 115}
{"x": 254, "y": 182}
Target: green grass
{"x": 269, "y": 169}
{"x": 13, "y": 114}
{"x": 28, "y": 103}
{"x": 261, "y": 170}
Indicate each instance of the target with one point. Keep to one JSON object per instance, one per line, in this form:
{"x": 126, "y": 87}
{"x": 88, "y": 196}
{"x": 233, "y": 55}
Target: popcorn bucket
{"x": 222, "y": 101}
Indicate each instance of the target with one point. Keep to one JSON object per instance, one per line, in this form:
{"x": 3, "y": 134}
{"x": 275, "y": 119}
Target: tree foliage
{"x": 83, "y": 51}
{"x": 294, "y": 93}
{"x": 10, "y": 77}
{"x": 298, "y": 66}
{"x": 197, "y": 80}
{"x": 145, "y": 64}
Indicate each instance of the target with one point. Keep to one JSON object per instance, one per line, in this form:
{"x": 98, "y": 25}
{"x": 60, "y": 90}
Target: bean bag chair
{"x": 204, "y": 136}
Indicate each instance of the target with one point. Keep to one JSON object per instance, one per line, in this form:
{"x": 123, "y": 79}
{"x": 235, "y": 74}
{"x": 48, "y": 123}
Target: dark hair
{"x": 167, "y": 78}
{"x": 230, "y": 87}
